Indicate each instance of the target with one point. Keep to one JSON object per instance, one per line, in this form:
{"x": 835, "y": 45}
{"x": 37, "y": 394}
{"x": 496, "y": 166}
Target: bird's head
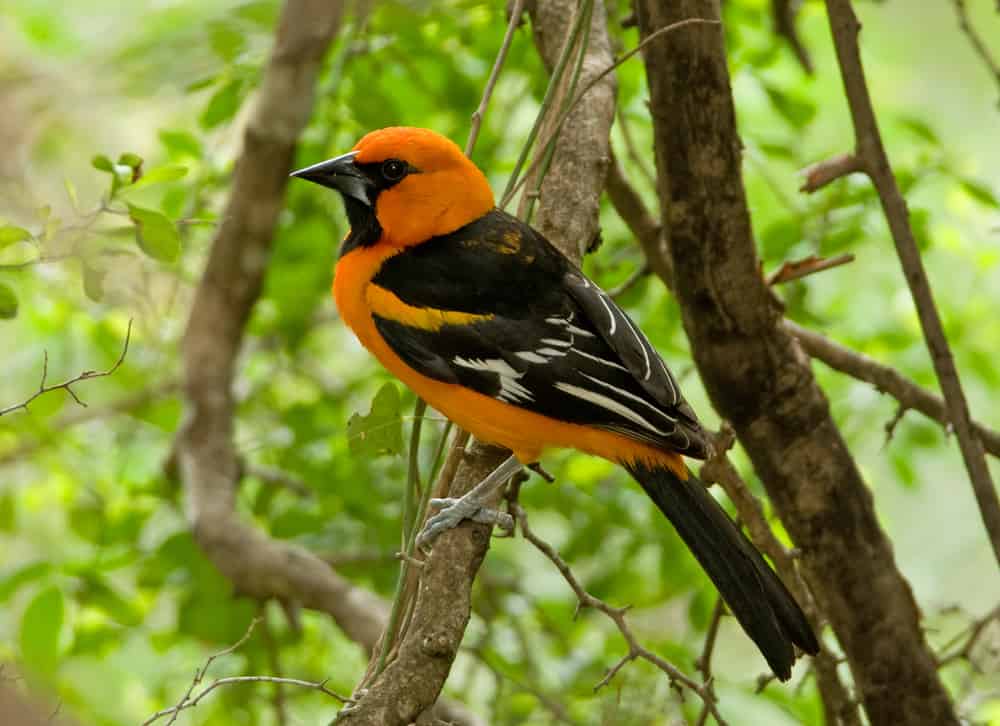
{"x": 414, "y": 183}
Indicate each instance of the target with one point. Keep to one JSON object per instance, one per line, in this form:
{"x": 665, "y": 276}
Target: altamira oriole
{"x": 494, "y": 327}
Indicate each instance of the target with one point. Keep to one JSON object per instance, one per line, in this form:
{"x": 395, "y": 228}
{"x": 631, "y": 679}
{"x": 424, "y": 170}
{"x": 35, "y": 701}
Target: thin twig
{"x": 825, "y": 172}
{"x": 638, "y": 275}
{"x": 886, "y": 379}
{"x": 66, "y": 385}
{"x": 797, "y": 269}
{"x": 962, "y": 645}
{"x": 617, "y": 615}
{"x": 783, "y": 12}
{"x": 512, "y": 190}
{"x": 976, "y": 40}
{"x": 189, "y": 701}
{"x": 704, "y": 663}
{"x": 845, "y": 28}
{"x": 480, "y": 112}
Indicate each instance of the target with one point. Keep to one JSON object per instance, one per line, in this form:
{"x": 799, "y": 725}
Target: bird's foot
{"x": 455, "y": 511}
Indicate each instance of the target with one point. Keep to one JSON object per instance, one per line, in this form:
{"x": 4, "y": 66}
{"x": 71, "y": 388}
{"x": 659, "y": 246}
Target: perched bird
{"x": 494, "y": 327}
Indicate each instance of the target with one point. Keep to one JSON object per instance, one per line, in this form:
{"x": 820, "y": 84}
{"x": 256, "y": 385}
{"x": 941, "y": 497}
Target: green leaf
{"x": 8, "y": 511}
{"x": 980, "y": 192}
{"x": 41, "y": 624}
{"x": 87, "y": 520}
{"x": 11, "y": 583}
{"x": 797, "y": 110}
{"x": 181, "y": 143}
{"x": 74, "y": 198}
{"x": 157, "y": 236}
{"x": 130, "y": 159}
{"x": 381, "y": 431}
{"x": 919, "y": 127}
{"x": 93, "y": 282}
{"x": 97, "y": 593}
{"x": 102, "y": 163}
{"x": 223, "y": 105}
{"x": 262, "y": 12}
{"x": 10, "y": 234}
{"x": 226, "y": 40}
{"x": 160, "y": 175}
{"x": 8, "y": 302}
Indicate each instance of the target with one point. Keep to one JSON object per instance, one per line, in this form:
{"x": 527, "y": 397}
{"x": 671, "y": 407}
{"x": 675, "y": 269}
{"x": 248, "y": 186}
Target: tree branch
{"x": 413, "y": 678}
{"x": 845, "y": 27}
{"x": 617, "y": 615}
{"x": 67, "y": 385}
{"x": 757, "y": 380}
{"x": 976, "y": 41}
{"x": 783, "y": 13}
{"x": 886, "y": 379}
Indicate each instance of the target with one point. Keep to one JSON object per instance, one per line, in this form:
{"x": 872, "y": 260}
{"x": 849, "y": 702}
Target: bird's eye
{"x": 393, "y": 169}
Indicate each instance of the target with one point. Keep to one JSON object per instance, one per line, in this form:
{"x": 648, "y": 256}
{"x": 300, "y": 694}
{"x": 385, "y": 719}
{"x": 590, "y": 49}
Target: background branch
{"x": 757, "y": 380}
{"x": 568, "y": 214}
{"x": 845, "y": 28}
{"x": 67, "y": 385}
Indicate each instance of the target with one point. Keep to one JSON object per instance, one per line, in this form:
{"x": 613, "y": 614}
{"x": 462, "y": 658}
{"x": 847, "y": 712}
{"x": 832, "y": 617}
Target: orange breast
{"x": 526, "y": 433}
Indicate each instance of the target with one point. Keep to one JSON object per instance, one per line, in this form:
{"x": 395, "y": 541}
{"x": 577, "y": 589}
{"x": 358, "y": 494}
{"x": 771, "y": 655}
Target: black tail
{"x": 751, "y": 589}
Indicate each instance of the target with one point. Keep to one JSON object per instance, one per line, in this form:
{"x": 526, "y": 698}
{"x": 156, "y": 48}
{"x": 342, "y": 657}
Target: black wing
{"x": 554, "y": 344}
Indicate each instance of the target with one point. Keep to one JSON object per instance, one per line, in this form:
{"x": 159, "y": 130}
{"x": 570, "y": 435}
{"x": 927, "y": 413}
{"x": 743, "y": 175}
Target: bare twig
{"x": 557, "y": 127}
{"x": 825, "y": 172}
{"x": 908, "y": 392}
{"x": 617, "y": 615}
{"x": 641, "y": 272}
{"x": 783, "y": 12}
{"x": 797, "y": 269}
{"x": 278, "y": 477}
{"x": 704, "y": 662}
{"x": 67, "y": 385}
{"x": 845, "y": 27}
{"x": 962, "y": 645}
{"x": 480, "y": 112}
{"x": 976, "y": 41}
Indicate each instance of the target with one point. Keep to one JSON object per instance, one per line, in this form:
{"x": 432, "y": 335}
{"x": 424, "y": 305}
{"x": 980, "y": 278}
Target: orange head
{"x": 401, "y": 186}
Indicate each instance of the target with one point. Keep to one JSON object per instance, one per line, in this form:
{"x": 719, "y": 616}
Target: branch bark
{"x": 567, "y": 214}
{"x": 845, "y": 27}
{"x": 206, "y": 458}
{"x": 886, "y": 379}
{"x": 758, "y": 380}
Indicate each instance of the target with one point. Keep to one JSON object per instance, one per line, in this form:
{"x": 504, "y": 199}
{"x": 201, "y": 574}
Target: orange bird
{"x": 491, "y": 325}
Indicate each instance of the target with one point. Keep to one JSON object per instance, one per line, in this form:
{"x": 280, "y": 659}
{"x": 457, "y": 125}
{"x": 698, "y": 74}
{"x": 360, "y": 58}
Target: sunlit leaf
{"x": 41, "y": 625}
{"x": 13, "y": 581}
{"x": 156, "y": 235}
{"x": 223, "y": 104}
{"x": 980, "y": 192}
{"x": 160, "y": 175}
{"x": 9, "y": 234}
{"x": 181, "y": 143}
{"x": 379, "y": 432}
{"x": 8, "y": 302}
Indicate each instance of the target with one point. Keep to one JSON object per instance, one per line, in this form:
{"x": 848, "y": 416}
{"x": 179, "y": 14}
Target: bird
{"x": 494, "y": 327}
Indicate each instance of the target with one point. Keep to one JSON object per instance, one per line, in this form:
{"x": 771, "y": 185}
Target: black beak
{"x": 339, "y": 173}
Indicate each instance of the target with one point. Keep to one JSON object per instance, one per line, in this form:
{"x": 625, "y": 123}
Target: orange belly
{"x": 525, "y": 433}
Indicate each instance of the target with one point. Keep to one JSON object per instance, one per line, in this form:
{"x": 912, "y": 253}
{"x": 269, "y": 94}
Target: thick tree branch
{"x": 208, "y": 464}
{"x": 907, "y": 392}
{"x": 845, "y": 27}
{"x": 423, "y": 656}
{"x": 757, "y": 379}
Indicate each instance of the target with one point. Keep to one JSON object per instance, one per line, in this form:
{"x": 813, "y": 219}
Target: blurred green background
{"x": 105, "y": 600}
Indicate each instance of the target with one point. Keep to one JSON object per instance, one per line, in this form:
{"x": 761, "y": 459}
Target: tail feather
{"x": 754, "y": 593}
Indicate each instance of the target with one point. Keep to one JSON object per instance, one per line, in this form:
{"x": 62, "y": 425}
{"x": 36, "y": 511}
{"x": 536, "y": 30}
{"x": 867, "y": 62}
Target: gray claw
{"x": 454, "y": 512}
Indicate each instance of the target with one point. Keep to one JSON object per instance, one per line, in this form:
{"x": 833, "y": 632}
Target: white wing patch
{"x": 610, "y": 404}
{"x": 631, "y": 396}
{"x": 510, "y": 390}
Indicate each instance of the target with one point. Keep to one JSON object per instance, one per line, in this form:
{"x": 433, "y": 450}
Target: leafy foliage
{"x": 115, "y": 189}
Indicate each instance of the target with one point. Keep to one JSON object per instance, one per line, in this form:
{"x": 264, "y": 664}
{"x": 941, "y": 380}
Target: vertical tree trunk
{"x": 760, "y": 381}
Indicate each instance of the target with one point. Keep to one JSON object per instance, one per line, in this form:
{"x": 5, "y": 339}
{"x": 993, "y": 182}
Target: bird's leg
{"x": 537, "y": 468}
{"x": 472, "y": 505}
